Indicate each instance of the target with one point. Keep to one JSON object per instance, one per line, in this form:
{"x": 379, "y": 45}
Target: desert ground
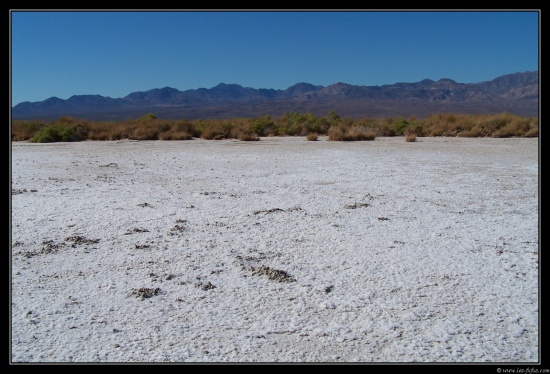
{"x": 281, "y": 250}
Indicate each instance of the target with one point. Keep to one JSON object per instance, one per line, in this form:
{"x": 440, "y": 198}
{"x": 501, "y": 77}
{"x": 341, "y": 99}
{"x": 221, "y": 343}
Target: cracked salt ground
{"x": 285, "y": 251}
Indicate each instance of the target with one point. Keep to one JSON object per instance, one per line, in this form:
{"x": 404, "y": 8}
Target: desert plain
{"x": 280, "y": 250}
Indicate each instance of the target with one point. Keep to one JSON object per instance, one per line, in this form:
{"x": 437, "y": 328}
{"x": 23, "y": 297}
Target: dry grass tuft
{"x": 410, "y": 138}
{"x": 353, "y": 133}
{"x": 247, "y": 137}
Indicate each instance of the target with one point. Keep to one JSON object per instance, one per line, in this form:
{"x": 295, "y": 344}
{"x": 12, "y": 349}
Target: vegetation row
{"x": 149, "y": 127}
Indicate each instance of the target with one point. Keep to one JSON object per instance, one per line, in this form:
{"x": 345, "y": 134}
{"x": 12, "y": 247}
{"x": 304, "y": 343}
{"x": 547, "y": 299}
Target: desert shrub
{"x": 258, "y": 128}
{"x": 385, "y": 130}
{"x": 498, "y": 121}
{"x": 532, "y": 133}
{"x": 367, "y": 123}
{"x": 188, "y": 127}
{"x": 46, "y": 135}
{"x": 175, "y": 135}
{"x": 449, "y": 117}
{"x": 414, "y": 129}
{"x": 294, "y": 130}
{"x": 516, "y": 127}
{"x": 440, "y": 129}
{"x": 24, "y": 130}
{"x": 244, "y": 130}
{"x": 343, "y": 133}
{"x": 312, "y": 137}
{"x": 474, "y": 132}
{"x": 388, "y": 121}
{"x": 216, "y": 130}
{"x": 232, "y": 128}
{"x": 324, "y": 125}
{"x": 357, "y": 133}
{"x": 476, "y": 125}
{"x": 81, "y": 132}
{"x": 410, "y": 138}
{"x": 294, "y": 118}
{"x": 164, "y": 126}
{"x": 55, "y": 133}
{"x": 118, "y": 131}
{"x": 336, "y": 133}
{"x": 148, "y": 117}
{"x": 144, "y": 132}
{"x": 109, "y": 130}
{"x": 65, "y": 129}
{"x": 262, "y": 126}
{"x": 301, "y": 124}
{"x": 312, "y": 124}
{"x": 399, "y": 126}
{"x": 533, "y": 129}
{"x": 277, "y": 131}
{"x": 248, "y": 130}
{"x": 213, "y": 133}
{"x": 247, "y": 137}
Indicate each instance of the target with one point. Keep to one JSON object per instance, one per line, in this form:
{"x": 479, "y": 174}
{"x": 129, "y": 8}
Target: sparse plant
{"x": 343, "y": 133}
{"x": 247, "y": 137}
{"x": 410, "y": 138}
{"x": 312, "y": 137}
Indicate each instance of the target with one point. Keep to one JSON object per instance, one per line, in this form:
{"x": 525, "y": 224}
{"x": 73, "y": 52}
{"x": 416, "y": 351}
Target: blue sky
{"x": 115, "y": 53}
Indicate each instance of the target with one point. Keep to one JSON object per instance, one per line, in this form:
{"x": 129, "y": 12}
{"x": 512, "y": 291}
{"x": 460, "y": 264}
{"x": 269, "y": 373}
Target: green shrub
{"x": 294, "y": 130}
{"x": 58, "y": 133}
{"x": 149, "y": 117}
{"x": 262, "y": 126}
{"x": 399, "y": 126}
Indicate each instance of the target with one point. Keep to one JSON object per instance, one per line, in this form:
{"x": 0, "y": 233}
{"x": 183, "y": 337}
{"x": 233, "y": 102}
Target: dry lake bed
{"x": 282, "y": 250}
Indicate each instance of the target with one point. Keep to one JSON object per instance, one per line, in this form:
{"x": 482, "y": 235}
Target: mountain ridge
{"x": 516, "y": 93}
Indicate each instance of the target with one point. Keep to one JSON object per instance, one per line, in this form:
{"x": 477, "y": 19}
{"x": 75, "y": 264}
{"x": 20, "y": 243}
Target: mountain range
{"x": 516, "y": 93}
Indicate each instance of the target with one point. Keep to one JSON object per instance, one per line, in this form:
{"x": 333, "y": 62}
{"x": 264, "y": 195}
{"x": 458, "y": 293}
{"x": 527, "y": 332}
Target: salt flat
{"x": 281, "y": 250}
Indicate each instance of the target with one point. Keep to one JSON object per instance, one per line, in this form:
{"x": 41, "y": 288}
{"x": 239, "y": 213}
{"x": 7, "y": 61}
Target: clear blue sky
{"x": 115, "y": 53}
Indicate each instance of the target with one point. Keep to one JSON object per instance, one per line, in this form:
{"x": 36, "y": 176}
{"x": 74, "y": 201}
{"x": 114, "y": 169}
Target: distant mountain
{"x": 516, "y": 93}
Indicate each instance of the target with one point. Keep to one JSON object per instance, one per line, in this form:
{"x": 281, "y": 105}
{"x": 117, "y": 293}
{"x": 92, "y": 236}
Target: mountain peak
{"x": 166, "y": 88}
{"x": 446, "y": 80}
{"x": 223, "y": 84}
